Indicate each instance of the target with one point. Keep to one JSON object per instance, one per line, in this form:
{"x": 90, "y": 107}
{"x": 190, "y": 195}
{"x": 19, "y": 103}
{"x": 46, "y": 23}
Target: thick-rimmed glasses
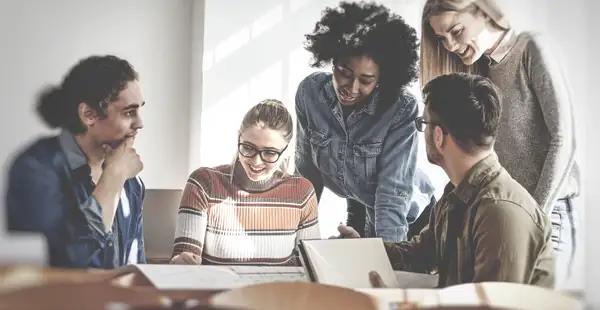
{"x": 266, "y": 155}
{"x": 420, "y": 124}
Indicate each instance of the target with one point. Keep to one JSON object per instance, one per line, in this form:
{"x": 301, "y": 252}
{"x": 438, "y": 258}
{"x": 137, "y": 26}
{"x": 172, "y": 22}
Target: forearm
{"x": 107, "y": 193}
{"x": 390, "y": 215}
{"x": 187, "y": 244}
{"x": 417, "y": 255}
{"x": 400, "y": 258}
{"x": 553, "y": 176}
{"x": 191, "y": 231}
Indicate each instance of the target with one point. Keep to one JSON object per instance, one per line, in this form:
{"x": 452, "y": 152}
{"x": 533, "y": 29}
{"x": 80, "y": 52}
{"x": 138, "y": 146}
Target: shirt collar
{"x": 469, "y": 187}
{"x": 369, "y": 106}
{"x": 507, "y": 43}
{"x": 75, "y": 155}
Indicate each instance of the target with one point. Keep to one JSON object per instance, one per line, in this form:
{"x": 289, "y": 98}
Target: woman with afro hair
{"x": 355, "y": 129}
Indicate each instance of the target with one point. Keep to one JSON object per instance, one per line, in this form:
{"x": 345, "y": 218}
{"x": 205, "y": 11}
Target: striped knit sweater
{"x": 229, "y": 219}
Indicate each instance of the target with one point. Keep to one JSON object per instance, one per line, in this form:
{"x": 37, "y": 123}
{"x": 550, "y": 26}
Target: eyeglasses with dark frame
{"x": 267, "y": 155}
{"x": 420, "y": 124}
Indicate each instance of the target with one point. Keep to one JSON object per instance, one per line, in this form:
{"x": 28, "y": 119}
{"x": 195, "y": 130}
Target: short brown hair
{"x": 467, "y": 106}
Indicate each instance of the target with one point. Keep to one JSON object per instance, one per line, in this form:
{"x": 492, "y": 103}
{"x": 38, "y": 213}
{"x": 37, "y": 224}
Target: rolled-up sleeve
{"x": 396, "y": 170}
{"x": 93, "y": 214}
{"x": 36, "y": 202}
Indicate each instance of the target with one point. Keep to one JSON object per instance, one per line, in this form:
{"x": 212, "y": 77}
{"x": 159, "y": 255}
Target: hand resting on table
{"x": 186, "y": 258}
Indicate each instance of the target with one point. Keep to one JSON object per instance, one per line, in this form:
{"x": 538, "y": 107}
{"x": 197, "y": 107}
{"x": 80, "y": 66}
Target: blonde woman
{"x": 252, "y": 211}
{"x": 536, "y": 137}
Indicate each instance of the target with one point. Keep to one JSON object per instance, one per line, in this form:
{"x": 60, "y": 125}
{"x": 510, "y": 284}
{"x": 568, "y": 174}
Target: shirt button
{"x": 110, "y": 243}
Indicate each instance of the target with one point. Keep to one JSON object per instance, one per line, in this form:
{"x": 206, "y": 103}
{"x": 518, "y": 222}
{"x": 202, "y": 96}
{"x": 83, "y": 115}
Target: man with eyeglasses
{"x": 486, "y": 226}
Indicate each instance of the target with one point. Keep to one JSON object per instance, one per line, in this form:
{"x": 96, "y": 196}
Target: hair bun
{"x": 270, "y": 101}
{"x": 49, "y": 106}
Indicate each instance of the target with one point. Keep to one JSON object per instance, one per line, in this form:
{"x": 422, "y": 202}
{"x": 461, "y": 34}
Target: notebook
{"x": 346, "y": 262}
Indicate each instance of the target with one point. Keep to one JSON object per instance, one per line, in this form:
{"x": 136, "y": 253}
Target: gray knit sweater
{"x": 536, "y": 137}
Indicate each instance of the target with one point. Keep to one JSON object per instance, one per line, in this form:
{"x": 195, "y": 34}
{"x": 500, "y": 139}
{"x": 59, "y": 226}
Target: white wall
{"x": 41, "y": 40}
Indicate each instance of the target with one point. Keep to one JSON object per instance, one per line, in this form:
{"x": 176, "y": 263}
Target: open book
{"x": 347, "y": 263}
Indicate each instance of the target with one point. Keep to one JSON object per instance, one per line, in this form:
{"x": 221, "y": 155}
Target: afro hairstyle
{"x": 356, "y": 29}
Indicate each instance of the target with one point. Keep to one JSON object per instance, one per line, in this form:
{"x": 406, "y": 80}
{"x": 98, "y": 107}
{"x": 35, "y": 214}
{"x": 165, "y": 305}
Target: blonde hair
{"x": 272, "y": 114}
{"x": 435, "y": 60}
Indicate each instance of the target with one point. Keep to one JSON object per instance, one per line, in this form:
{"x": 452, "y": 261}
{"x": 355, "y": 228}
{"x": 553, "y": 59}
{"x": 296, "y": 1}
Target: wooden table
{"x": 49, "y": 288}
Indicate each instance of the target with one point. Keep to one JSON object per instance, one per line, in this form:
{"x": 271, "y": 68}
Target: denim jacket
{"x": 370, "y": 158}
{"x": 50, "y": 192}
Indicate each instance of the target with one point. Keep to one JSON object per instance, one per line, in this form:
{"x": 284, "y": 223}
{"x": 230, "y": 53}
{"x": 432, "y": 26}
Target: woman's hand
{"x": 186, "y": 258}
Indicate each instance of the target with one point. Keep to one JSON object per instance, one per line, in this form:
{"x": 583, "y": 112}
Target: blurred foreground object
{"x": 23, "y": 249}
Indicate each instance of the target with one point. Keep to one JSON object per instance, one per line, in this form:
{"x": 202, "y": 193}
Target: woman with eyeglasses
{"x": 355, "y": 130}
{"x": 251, "y": 211}
{"x": 536, "y": 137}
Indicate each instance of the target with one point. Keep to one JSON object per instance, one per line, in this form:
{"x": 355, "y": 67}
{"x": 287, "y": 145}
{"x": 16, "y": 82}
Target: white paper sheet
{"x": 186, "y": 277}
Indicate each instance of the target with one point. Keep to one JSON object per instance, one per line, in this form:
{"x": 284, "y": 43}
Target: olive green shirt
{"x": 488, "y": 228}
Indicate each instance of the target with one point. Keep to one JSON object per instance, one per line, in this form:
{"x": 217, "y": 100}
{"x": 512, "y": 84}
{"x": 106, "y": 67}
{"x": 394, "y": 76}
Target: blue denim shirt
{"x": 50, "y": 192}
{"x": 370, "y": 158}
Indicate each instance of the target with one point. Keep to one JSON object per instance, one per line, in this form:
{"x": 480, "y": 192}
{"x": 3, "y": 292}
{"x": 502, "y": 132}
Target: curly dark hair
{"x": 355, "y": 29}
{"x": 95, "y": 80}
